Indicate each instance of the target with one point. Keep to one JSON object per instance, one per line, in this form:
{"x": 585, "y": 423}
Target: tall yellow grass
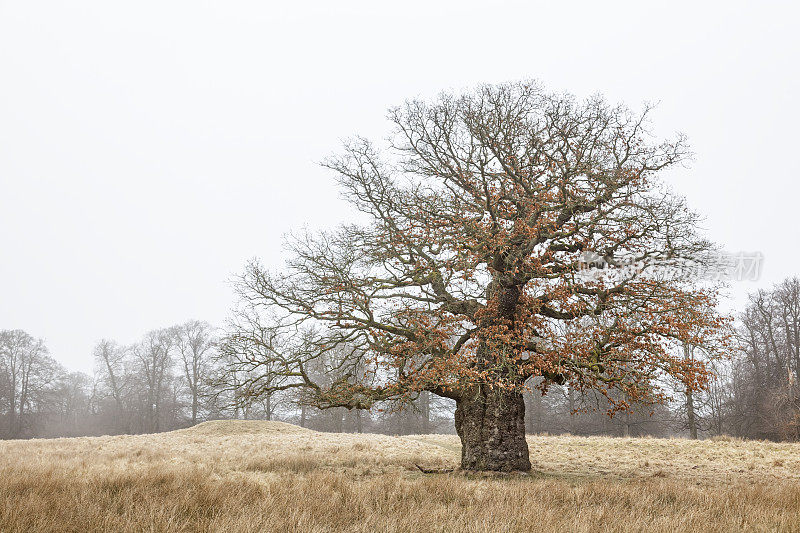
{"x": 269, "y": 476}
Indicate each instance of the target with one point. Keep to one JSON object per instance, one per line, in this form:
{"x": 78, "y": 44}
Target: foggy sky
{"x": 149, "y": 148}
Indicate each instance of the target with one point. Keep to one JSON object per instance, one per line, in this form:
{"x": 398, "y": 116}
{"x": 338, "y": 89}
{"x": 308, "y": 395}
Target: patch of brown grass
{"x": 257, "y": 476}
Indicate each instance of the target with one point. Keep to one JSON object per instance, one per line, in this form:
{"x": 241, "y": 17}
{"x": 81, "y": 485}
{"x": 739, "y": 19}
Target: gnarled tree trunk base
{"x": 491, "y": 425}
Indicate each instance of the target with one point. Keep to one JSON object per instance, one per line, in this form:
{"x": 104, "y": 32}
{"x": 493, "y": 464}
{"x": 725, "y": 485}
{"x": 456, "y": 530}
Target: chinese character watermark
{"x": 720, "y": 266}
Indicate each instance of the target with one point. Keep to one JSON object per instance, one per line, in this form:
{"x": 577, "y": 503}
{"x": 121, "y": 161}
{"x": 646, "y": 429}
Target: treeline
{"x": 170, "y": 379}
{"x": 152, "y": 385}
{"x": 175, "y": 377}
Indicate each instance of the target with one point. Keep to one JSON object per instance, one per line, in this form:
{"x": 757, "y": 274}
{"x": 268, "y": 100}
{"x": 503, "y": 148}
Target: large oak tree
{"x": 470, "y": 274}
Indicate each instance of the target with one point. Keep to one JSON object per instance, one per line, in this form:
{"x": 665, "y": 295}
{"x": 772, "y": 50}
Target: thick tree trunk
{"x": 491, "y": 425}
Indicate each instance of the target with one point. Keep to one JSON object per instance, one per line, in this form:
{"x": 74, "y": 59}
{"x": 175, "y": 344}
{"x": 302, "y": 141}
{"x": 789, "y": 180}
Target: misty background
{"x": 148, "y": 149}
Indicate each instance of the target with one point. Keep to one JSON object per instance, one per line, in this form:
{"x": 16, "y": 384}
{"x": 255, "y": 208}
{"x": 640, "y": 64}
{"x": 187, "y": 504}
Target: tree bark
{"x": 491, "y": 425}
{"x": 689, "y": 354}
{"x": 690, "y": 414}
{"x": 194, "y": 406}
{"x": 425, "y": 404}
{"x": 571, "y": 401}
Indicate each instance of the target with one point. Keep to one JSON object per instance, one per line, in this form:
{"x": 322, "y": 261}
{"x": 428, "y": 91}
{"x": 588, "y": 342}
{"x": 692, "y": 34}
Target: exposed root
{"x": 433, "y": 470}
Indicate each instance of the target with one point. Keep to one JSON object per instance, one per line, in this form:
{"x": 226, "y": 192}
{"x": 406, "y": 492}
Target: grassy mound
{"x": 238, "y": 427}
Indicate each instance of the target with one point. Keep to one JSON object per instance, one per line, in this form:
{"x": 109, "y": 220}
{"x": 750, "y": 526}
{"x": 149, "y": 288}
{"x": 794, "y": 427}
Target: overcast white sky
{"x": 148, "y": 148}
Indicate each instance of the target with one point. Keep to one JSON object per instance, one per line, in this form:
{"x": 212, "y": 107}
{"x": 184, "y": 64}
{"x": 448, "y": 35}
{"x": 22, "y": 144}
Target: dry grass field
{"x": 269, "y": 476}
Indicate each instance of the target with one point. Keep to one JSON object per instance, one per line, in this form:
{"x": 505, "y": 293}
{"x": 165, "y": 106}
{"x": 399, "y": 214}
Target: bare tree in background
{"x": 764, "y": 397}
{"x": 194, "y": 341}
{"x": 28, "y": 371}
{"x": 154, "y": 357}
{"x": 69, "y": 407}
{"x": 110, "y": 361}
